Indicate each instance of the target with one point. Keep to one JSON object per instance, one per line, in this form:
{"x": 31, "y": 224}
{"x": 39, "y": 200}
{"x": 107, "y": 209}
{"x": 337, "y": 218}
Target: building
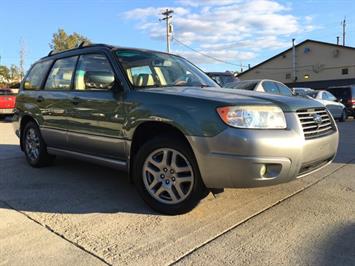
{"x": 312, "y": 64}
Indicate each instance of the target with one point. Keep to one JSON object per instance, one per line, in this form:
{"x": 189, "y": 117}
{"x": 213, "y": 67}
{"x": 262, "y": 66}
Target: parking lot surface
{"x": 78, "y": 213}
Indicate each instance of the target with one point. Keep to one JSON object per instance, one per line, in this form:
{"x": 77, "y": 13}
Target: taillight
{"x": 351, "y": 101}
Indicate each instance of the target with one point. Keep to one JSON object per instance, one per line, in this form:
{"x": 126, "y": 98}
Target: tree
{"x": 15, "y": 72}
{"x": 4, "y": 74}
{"x": 63, "y": 41}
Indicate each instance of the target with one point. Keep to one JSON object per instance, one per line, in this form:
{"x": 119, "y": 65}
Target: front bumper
{"x": 251, "y": 158}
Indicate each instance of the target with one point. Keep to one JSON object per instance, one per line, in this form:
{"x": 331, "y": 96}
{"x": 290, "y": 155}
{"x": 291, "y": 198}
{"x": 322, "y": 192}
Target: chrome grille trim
{"x": 311, "y": 129}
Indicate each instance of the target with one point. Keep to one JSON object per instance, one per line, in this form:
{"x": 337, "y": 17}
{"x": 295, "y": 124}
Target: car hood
{"x": 240, "y": 97}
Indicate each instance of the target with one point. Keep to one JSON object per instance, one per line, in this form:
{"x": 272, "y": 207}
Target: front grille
{"x": 312, "y": 128}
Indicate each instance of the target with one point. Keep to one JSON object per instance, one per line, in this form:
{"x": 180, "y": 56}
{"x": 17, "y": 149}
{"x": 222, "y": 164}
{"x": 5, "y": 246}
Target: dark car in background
{"x": 262, "y": 85}
{"x": 223, "y": 78}
{"x": 346, "y": 95}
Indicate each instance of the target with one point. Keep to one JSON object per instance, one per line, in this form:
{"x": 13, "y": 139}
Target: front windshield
{"x": 154, "y": 69}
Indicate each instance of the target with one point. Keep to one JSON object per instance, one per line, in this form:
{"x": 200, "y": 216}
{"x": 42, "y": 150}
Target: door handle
{"x": 40, "y": 99}
{"x": 75, "y": 100}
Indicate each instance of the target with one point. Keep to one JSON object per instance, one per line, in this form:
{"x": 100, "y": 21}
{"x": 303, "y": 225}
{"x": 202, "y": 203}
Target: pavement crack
{"x": 257, "y": 213}
{"x": 56, "y": 233}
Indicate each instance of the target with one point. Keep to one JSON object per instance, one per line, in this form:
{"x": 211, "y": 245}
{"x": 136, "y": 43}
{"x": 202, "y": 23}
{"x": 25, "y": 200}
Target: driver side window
{"x": 325, "y": 96}
{"x": 94, "y": 72}
{"x": 270, "y": 87}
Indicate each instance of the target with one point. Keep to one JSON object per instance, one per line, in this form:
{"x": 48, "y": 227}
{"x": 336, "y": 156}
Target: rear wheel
{"x": 34, "y": 147}
{"x": 343, "y": 116}
{"x": 167, "y": 177}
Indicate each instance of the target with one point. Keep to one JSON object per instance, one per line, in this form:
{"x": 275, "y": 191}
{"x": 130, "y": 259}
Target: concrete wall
{"x": 319, "y": 61}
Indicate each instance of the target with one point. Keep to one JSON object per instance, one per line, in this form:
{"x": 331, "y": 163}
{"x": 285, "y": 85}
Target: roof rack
{"x": 80, "y": 46}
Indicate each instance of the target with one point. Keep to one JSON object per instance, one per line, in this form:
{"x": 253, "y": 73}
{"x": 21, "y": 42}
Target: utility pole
{"x": 337, "y": 40}
{"x": 294, "y": 60}
{"x": 343, "y": 23}
{"x": 167, "y": 16}
{"x": 22, "y": 58}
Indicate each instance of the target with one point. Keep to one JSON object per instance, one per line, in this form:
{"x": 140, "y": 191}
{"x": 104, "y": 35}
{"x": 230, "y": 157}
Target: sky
{"x": 235, "y": 32}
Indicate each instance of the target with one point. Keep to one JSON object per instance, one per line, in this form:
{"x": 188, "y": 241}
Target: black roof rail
{"x": 81, "y": 45}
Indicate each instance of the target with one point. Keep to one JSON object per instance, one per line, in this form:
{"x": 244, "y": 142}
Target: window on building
{"x": 288, "y": 75}
{"x": 345, "y": 71}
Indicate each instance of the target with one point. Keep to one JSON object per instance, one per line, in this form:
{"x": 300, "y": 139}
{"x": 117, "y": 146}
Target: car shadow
{"x": 67, "y": 186}
{"x": 338, "y": 247}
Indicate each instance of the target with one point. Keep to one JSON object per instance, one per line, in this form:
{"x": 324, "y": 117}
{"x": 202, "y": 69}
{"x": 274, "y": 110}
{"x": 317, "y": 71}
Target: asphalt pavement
{"x": 76, "y": 213}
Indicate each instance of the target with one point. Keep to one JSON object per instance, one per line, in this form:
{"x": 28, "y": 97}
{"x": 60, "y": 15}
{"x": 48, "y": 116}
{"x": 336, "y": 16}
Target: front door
{"x": 96, "y": 113}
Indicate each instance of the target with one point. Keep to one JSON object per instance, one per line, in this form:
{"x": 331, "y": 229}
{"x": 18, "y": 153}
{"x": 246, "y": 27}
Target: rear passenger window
{"x": 94, "y": 72}
{"x": 36, "y": 75}
{"x": 284, "y": 90}
{"x": 61, "y": 74}
{"x": 270, "y": 87}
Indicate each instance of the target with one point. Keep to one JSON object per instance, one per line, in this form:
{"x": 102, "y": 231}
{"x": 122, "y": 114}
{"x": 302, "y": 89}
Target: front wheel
{"x": 343, "y": 116}
{"x": 167, "y": 177}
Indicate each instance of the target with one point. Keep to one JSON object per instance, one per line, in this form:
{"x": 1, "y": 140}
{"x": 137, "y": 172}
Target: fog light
{"x": 263, "y": 170}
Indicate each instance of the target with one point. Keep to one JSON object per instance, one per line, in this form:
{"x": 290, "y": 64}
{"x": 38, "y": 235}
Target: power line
{"x": 206, "y": 55}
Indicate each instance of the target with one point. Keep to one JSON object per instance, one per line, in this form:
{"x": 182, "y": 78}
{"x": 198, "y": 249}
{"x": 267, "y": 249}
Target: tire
{"x": 34, "y": 146}
{"x": 167, "y": 177}
{"x": 343, "y": 116}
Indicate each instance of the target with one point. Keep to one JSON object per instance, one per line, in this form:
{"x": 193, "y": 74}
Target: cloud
{"x": 230, "y": 29}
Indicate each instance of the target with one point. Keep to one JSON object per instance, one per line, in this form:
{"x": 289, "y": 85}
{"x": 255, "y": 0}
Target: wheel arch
{"x": 151, "y": 129}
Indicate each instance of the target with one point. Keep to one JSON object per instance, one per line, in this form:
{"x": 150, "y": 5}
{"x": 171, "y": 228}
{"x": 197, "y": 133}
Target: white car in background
{"x": 337, "y": 109}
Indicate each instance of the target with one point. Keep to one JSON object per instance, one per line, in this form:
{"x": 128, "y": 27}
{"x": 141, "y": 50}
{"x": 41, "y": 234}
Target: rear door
{"x": 55, "y": 101}
{"x": 96, "y": 112}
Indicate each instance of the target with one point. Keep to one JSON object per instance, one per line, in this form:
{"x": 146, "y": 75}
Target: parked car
{"x": 346, "y": 95}
{"x": 7, "y": 102}
{"x": 223, "y": 78}
{"x": 262, "y": 85}
{"x": 337, "y": 109}
{"x": 167, "y": 123}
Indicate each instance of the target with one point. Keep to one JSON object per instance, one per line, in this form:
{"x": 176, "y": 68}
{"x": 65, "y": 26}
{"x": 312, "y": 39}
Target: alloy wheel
{"x": 168, "y": 176}
{"x": 32, "y": 144}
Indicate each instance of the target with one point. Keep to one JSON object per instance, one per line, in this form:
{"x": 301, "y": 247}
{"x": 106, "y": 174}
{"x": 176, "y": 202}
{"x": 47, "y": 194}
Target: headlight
{"x": 270, "y": 117}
